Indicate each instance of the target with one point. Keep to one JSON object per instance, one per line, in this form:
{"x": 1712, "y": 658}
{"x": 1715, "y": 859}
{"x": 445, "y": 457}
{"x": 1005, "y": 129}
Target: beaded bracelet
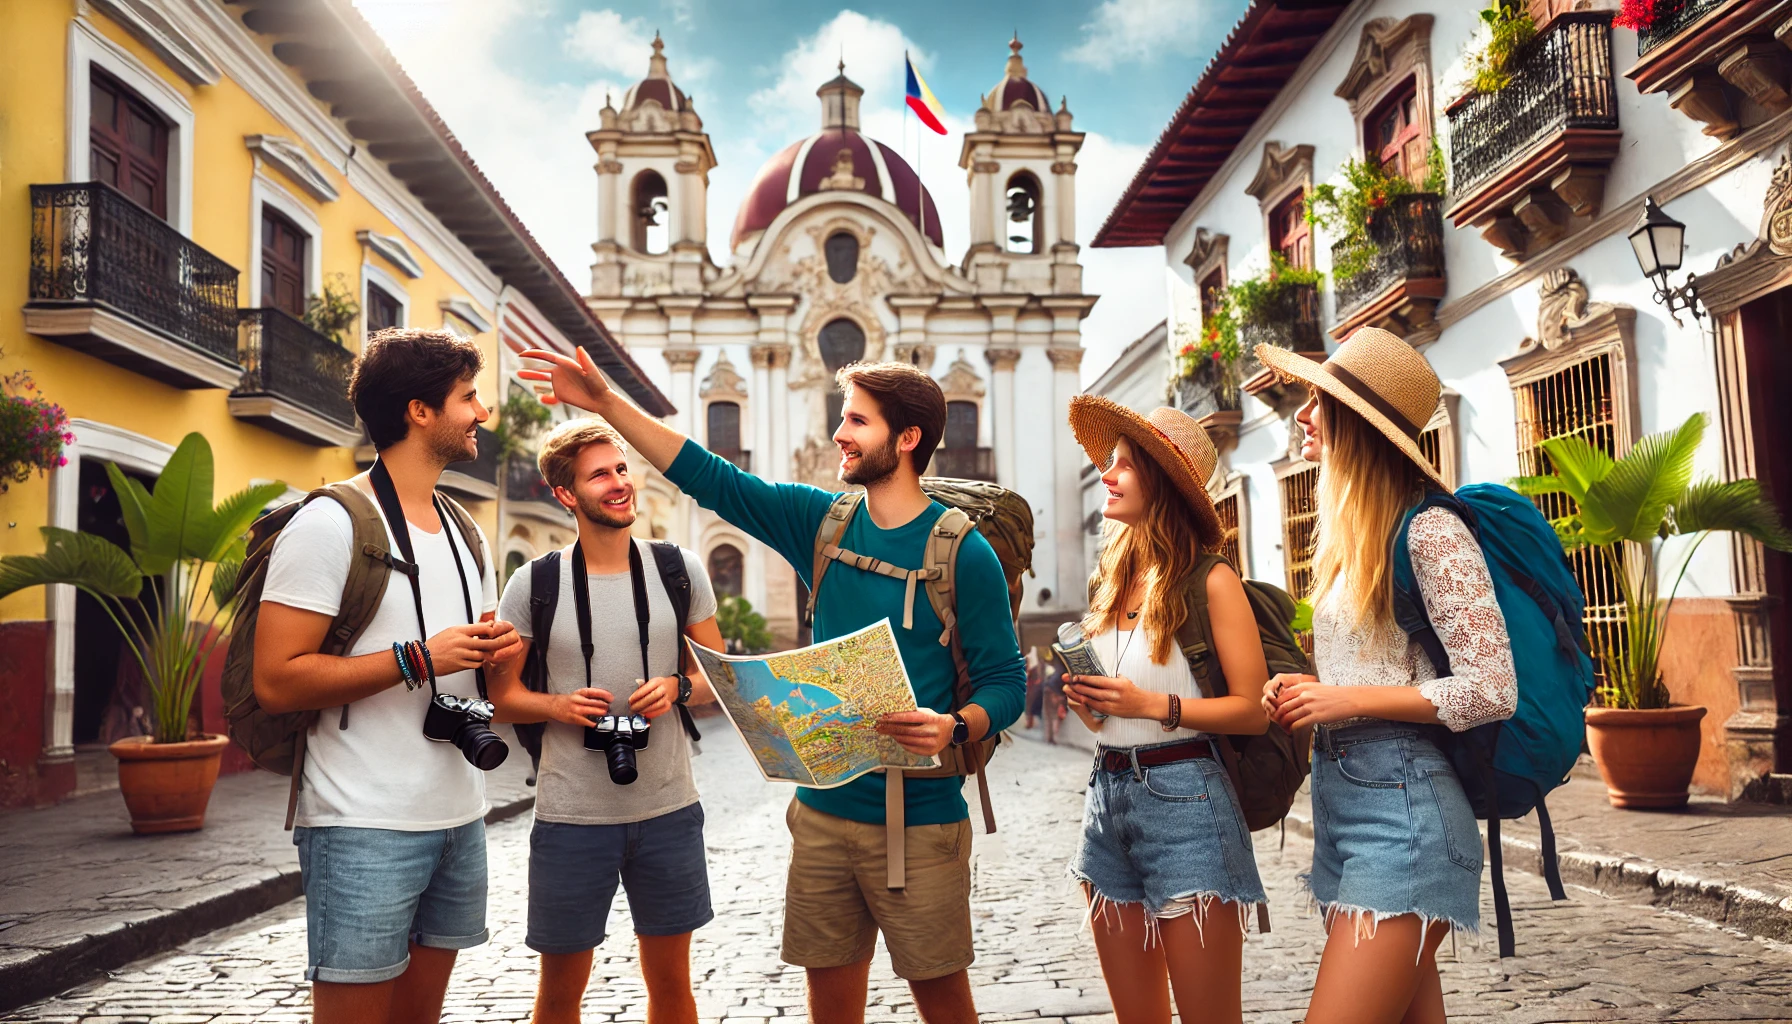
{"x": 1175, "y": 714}
{"x": 416, "y": 660}
{"x": 429, "y": 664}
{"x": 410, "y": 682}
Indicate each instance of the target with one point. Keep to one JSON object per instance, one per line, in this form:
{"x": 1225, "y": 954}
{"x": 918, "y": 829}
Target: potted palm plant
{"x": 1626, "y": 511}
{"x": 190, "y": 550}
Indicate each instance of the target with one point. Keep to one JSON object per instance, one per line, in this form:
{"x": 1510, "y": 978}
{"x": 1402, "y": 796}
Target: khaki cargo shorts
{"x": 836, "y": 900}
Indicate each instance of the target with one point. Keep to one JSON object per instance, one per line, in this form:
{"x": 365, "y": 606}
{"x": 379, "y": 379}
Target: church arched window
{"x": 653, "y": 214}
{"x": 841, "y": 341}
{"x": 1026, "y": 213}
{"x": 725, "y": 570}
{"x": 842, "y": 252}
{"x": 724, "y": 430}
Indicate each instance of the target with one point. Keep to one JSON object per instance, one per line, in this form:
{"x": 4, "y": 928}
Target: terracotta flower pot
{"x": 1646, "y": 757}
{"x": 167, "y": 785}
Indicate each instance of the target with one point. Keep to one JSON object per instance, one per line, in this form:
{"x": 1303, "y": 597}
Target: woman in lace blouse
{"x": 1396, "y": 851}
{"x": 1165, "y": 858}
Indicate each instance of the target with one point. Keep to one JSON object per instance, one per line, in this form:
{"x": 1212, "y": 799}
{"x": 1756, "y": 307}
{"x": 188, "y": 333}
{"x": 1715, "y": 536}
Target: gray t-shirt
{"x": 574, "y": 786}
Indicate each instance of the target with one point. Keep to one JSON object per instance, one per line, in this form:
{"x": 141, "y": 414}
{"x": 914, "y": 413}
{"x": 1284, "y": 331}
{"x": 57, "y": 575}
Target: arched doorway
{"x": 841, "y": 342}
{"x": 726, "y": 570}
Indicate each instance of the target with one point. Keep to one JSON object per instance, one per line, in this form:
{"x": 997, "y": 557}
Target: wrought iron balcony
{"x": 1290, "y": 321}
{"x": 1211, "y": 388}
{"x": 740, "y": 457}
{"x": 964, "y": 463}
{"x": 1528, "y": 163}
{"x": 1671, "y": 17}
{"x": 112, "y": 279}
{"x": 1404, "y": 281}
{"x": 478, "y": 478}
{"x": 294, "y": 381}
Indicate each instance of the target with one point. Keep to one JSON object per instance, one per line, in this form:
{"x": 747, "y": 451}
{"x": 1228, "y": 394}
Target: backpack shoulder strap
{"x": 469, "y": 531}
{"x": 941, "y": 553}
{"x": 668, "y": 558}
{"x": 1195, "y": 637}
{"x": 369, "y": 567}
{"x": 828, "y": 534}
{"x": 544, "y": 599}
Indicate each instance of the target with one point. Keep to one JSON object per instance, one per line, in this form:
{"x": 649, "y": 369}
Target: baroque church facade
{"x": 837, "y": 255}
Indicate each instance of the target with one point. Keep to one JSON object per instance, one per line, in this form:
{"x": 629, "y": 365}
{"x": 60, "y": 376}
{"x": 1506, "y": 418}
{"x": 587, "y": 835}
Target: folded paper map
{"x": 809, "y": 715}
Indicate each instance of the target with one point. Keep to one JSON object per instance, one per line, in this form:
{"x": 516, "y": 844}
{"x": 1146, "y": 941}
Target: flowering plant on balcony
{"x": 33, "y": 430}
{"x": 1635, "y": 14}
{"x": 1348, "y": 211}
{"x": 1509, "y": 27}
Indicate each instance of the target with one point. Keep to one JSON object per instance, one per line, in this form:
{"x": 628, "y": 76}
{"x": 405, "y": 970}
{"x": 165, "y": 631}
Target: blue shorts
{"x": 573, "y": 871}
{"x": 1393, "y": 832}
{"x": 371, "y": 892}
{"x": 1170, "y": 838}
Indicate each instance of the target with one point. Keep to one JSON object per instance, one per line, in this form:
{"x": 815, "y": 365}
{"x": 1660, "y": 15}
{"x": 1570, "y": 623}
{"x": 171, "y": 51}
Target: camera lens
{"x": 481, "y": 746}
{"x": 621, "y": 758}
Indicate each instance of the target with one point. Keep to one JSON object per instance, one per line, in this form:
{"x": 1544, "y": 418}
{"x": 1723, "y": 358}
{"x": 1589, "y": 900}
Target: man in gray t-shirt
{"x": 592, "y": 832}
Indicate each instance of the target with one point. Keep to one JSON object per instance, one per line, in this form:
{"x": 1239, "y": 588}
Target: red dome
{"x": 1015, "y": 87}
{"x": 884, "y": 174}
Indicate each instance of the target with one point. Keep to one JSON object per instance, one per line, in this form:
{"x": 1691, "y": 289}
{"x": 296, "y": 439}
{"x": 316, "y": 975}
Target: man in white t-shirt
{"x": 594, "y": 828}
{"x": 389, "y": 825}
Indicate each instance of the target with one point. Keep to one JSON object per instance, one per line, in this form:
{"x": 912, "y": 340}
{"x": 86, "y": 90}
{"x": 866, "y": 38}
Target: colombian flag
{"x": 921, "y": 99}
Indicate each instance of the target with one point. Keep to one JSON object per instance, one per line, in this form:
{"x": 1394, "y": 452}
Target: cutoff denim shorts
{"x": 371, "y": 892}
{"x": 1170, "y": 838}
{"x": 1393, "y": 832}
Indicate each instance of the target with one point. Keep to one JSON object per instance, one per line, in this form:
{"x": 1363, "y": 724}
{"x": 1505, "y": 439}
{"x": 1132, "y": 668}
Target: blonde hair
{"x": 1366, "y": 485}
{"x": 564, "y": 442}
{"x": 1159, "y": 552}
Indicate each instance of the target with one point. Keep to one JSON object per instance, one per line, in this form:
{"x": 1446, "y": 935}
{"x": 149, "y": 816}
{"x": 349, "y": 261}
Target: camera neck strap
{"x": 393, "y": 511}
{"x": 581, "y": 599}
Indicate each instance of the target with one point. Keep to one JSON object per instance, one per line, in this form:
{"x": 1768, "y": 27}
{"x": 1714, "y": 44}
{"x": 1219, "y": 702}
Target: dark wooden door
{"x": 1289, "y": 232}
{"x": 1765, "y": 324}
{"x": 383, "y": 310}
{"x": 282, "y": 263}
{"x": 129, "y": 141}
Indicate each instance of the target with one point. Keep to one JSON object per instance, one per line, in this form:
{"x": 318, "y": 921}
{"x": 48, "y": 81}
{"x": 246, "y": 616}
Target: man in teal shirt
{"x": 837, "y": 897}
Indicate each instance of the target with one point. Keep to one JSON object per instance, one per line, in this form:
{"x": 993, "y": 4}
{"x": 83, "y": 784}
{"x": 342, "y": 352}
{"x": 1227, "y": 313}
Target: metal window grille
{"x": 1431, "y": 445}
{"x": 1576, "y": 400}
{"x": 1227, "y": 508}
{"x": 1300, "y": 528}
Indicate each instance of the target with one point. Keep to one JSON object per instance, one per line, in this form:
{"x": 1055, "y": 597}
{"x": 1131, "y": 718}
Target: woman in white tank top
{"x": 1165, "y": 852}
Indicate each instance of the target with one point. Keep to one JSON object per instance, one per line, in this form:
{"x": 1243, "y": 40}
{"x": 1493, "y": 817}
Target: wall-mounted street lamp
{"x": 1660, "y": 244}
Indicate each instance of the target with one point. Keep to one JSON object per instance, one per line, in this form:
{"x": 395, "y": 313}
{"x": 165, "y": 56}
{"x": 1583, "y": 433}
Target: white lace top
{"x": 1459, "y": 599}
{"x": 1128, "y": 653}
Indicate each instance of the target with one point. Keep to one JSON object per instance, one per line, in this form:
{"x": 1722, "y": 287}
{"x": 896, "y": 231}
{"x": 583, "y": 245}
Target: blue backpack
{"x": 1508, "y": 767}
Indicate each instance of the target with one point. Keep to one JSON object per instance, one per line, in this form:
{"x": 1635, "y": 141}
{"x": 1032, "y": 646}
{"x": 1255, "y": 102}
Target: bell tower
{"x": 653, "y": 164}
{"x": 1021, "y": 164}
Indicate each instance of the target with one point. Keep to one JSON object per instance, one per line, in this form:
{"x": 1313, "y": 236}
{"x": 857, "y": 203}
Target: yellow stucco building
{"x": 179, "y": 180}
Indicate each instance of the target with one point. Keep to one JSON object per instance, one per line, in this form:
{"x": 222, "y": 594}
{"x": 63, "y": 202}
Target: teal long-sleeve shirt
{"x": 785, "y": 517}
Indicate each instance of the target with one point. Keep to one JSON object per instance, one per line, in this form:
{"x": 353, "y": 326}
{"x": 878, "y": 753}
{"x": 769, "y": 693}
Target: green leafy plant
{"x": 741, "y": 626}
{"x": 191, "y": 550}
{"x": 1347, "y": 211}
{"x": 520, "y": 421}
{"x": 1633, "y": 505}
{"x": 1509, "y": 28}
{"x": 333, "y": 310}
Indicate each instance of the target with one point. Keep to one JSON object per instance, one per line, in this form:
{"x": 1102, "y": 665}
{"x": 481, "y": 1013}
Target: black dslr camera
{"x": 466, "y": 723}
{"x": 619, "y": 736}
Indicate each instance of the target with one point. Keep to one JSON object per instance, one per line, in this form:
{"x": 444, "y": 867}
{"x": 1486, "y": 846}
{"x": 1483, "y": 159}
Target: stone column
{"x": 682, "y": 361}
{"x": 778, "y": 361}
{"x": 911, "y": 336}
{"x": 1001, "y": 363}
{"x": 1064, "y": 524}
{"x": 761, "y": 400}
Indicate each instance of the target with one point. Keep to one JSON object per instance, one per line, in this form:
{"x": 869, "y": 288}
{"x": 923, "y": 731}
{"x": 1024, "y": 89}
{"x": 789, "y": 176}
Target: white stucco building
{"x": 1519, "y": 283}
{"x": 836, "y": 256}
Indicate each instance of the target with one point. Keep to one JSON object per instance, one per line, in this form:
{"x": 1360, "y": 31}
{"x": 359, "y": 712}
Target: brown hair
{"x": 906, "y": 396}
{"x": 400, "y": 365}
{"x": 1366, "y": 484}
{"x": 564, "y": 443}
{"x": 1160, "y": 552}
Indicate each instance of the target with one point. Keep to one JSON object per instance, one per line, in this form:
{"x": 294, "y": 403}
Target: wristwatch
{"x": 684, "y": 689}
{"x": 961, "y": 730}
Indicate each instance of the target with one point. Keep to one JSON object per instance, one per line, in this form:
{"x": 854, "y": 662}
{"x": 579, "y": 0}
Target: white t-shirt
{"x": 1129, "y": 651}
{"x": 381, "y": 772}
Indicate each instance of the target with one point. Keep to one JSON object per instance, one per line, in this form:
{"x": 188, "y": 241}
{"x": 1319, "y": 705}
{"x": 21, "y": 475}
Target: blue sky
{"x": 520, "y": 81}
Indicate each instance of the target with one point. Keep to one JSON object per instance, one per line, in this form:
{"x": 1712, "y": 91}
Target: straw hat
{"x": 1169, "y": 436}
{"x": 1381, "y": 378}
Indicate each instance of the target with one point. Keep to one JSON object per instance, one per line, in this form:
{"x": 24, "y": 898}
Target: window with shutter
{"x": 383, "y": 309}
{"x": 129, "y": 141}
{"x": 283, "y": 250}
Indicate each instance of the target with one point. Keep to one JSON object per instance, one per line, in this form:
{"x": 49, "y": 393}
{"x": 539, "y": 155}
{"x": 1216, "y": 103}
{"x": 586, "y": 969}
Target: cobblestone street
{"x": 1589, "y": 959}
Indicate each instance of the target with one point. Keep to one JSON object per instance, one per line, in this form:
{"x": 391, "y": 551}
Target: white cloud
{"x": 1122, "y": 31}
{"x": 607, "y": 40}
{"x": 528, "y": 137}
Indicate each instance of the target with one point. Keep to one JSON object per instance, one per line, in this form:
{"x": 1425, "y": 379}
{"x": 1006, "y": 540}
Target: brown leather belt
{"x": 1151, "y": 757}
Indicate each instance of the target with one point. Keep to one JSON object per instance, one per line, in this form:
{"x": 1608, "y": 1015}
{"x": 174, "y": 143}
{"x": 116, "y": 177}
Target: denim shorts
{"x": 1170, "y": 838}
{"x": 573, "y": 871}
{"x": 1393, "y": 832}
{"x": 371, "y": 892}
